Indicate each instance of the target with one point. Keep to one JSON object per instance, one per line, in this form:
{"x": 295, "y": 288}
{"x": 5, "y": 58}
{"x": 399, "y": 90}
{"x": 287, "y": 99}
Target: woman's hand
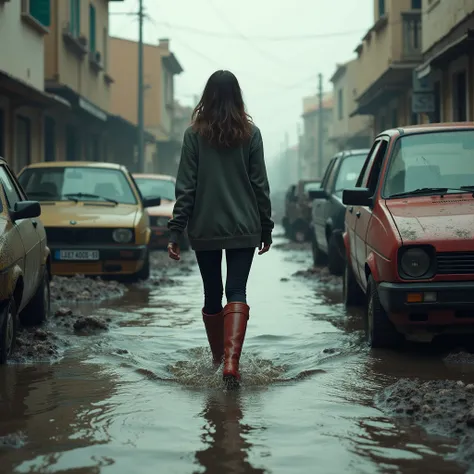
{"x": 264, "y": 248}
{"x": 173, "y": 251}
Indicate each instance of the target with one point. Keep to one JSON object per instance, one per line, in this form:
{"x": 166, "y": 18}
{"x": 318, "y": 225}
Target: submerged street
{"x": 143, "y": 396}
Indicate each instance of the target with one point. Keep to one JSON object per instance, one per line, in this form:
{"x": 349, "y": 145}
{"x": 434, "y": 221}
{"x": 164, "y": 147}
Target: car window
{"x": 431, "y": 160}
{"x": 364, "y": 174}
{"x": 349, "y": 171}
{"x": 327, "y": 173}
{"x": 376, "y": 167}
{"x": 11, "y": 192}
{"x": 57, "y": 183}
{"x": 332, "y": 175}
{"x": 163, "y": 188}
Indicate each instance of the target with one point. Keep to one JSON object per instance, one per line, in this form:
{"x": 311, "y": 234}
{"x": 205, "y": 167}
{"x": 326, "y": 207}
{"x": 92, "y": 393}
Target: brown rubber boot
{"x": 236, "y": 316}
{"x": 214, "y": 324}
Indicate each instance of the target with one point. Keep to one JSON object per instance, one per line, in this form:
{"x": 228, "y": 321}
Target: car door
{"x": 351, "y": 218}
{"x": 318, "y": 205}
{"x": 364, "y": 213}
{"x": 28, "y": 234}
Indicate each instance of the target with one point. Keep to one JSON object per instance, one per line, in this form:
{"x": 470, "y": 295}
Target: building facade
{"x": 348, "y": 132}
{"x": 386, "y": 59}
{"x": 312, "y": 166}
{"x": 160, "y": 68}
{"x": 448, "y": 58}
{"x": 23, "y": 101}
{"x": 77, "y": 69}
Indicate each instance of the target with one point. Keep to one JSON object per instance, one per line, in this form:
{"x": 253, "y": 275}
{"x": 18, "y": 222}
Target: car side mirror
{"x": 151, "y": 202}
{"x": 26, "y": 210}
{"x": 357, "y": 197}
{"x": 317, "y": 194}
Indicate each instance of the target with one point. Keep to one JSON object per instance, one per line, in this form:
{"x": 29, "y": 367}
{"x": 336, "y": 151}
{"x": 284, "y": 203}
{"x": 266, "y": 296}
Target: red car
{"x": 409, "y": 234}
{"x": 164, "y": 187}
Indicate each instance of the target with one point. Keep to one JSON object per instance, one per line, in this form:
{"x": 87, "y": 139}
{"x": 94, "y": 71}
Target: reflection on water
{"x": 144, "y": 397}
{"x": 225, "y": 436}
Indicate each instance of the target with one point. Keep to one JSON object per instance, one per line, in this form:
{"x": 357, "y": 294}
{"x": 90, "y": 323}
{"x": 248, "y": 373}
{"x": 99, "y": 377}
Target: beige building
{"x": 386, "y": 59}
{"x": 23, "y": 102}
{"x": 77, "y": 69}
{"x": 448, "y": 58}
{"x": 312, "y": 166}
{"x": 348, "y": 132}
{"x": 160, "y": 67}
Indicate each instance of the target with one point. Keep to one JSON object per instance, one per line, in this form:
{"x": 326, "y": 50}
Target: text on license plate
{"x": 77, "y": 254}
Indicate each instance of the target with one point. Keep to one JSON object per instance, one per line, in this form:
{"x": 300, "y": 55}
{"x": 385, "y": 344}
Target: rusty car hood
{"x": 435, "y": 220}
{"x": 86, "y": 214}
{"x": 165, "y": 209}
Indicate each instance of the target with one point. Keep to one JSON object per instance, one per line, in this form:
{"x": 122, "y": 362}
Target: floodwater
{"x": 144, "y": 398}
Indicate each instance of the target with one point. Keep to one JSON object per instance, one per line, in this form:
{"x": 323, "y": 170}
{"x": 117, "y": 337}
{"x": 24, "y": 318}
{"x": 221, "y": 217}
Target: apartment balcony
{"x": 386, "y": 59}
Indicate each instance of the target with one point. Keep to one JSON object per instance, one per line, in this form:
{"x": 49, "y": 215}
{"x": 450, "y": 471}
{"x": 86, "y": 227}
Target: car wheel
{"x": 38, "y": 310}
{"x": 8, "y": 329}
{"x": 352, "y": 293}
{"x": 380, "y": 331}
{"x": 144, "y": 273}
{"x": 318, "y": 257}
{"x": 335, "y": 259}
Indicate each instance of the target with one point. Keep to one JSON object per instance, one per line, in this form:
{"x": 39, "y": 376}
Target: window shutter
{"x": 40, "y": 10}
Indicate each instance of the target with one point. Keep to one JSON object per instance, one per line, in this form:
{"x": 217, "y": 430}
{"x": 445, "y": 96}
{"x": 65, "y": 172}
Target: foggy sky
{"x": 274, "y": 75}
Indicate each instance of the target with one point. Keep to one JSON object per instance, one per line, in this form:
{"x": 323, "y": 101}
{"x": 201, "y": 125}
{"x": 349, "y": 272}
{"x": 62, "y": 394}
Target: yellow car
{"x": 95, "y": 218}
{"x": 24, "y": 264}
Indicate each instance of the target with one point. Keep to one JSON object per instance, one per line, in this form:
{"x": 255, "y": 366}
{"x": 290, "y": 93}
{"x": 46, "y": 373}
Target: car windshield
{"x": 425, "y": 163}
{"x": 349, "y": 172}
{"x": 151, "y": 187}
{"x": 312, "y": 186}
{"x": 77, "y": 183}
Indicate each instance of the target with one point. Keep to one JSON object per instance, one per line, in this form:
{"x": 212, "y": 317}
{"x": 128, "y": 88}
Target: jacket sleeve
{"x": 185, "y": 191}
{"x": 261, "y": 187}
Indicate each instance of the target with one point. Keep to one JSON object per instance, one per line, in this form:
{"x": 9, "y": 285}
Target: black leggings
{"x": 239, "y": 262}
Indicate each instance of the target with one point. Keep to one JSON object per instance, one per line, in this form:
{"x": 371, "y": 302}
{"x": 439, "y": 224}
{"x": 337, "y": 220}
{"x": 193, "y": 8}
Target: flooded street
{"x": 144, "y": 397}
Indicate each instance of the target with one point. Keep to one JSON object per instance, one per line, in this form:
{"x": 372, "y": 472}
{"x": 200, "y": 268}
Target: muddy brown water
{"x": 143, "y": 397}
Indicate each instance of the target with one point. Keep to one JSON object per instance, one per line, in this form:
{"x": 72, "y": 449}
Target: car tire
{"x": 335, "y": 259}
{"x": 380, "y": 331}
{"x": 319, "y": 258}
{"x": 352, "y": 293}
{"x": 144, "y": 272}
{"x": 8, "y": 329}
{"x": 38, "y": 310}
{"x": 299, "y": 232}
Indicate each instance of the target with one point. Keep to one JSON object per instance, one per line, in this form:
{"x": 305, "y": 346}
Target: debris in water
{"x": 81, "y": 288}
{"x": 89, "y": 323}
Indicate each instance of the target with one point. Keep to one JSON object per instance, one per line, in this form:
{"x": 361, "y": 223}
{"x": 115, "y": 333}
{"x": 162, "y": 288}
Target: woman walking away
{"x": 222, "y": 196}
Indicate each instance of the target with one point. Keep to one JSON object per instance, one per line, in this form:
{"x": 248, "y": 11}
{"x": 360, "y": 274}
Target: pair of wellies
{"x": 226, "y": 333}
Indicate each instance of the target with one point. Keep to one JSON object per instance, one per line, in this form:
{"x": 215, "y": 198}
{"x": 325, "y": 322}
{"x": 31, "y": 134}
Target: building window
{"x": 49, "y": 140}
{"x": 22, "y": 142}
{"x": 75, "y": 18}
{"x": 460, "y": 97}
{"x": 2, "y": 133}
{"x": 92, "y": 29}
{"x": 394, "y": 118}
{"x": 40, "y": 10}
{"x": 105, "y": 48}
{"x": 381, "y": 8}
{"x": 416, "y": 4}
{"x": 340, "y": 104}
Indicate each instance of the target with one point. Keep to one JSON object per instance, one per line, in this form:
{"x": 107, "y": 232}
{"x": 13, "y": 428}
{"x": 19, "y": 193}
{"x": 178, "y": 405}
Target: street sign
{"x": 423, "y": 103}
{"x": 421, "y": 85}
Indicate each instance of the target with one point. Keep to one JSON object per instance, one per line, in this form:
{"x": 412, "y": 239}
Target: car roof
{"x": 428, "y": 128}
{"x": 80, "y": 164}
{"x": 358, "y": 151}
{"x": 163, "y": 177}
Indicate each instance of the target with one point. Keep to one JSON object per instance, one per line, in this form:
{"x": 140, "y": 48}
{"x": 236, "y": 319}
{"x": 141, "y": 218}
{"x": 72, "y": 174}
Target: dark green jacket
{"x": 222, "y": 195}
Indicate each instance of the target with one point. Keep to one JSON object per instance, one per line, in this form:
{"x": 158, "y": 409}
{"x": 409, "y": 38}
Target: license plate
{"x": 77, "y": 254}
{"x": 159, "y": 232}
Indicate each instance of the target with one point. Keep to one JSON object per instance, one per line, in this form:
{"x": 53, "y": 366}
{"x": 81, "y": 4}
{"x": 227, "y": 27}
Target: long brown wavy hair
{"x": 220, "y": 115}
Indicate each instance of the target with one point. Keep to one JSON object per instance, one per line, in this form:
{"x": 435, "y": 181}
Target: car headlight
{"x": 415, "y": 262}
{"x": 122, "y": 236}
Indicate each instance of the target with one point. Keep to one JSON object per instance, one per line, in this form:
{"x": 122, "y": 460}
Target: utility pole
{"x": 141, "y": 125}
{"x": 299, "y": 155}
{"x": 320, "y": 127}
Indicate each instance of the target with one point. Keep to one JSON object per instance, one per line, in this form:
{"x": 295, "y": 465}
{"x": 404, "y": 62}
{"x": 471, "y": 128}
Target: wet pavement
{"x": 140, "y": 393}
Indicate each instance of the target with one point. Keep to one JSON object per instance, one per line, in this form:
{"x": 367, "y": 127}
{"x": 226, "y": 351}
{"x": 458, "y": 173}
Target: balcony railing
{"x": 411, "y": 31}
